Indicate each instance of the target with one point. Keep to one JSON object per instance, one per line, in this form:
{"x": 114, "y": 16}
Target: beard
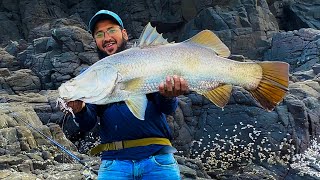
{"x": 123, "y": 46}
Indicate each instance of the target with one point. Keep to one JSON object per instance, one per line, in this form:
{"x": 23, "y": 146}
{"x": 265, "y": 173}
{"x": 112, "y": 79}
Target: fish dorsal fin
{"x": 137, "y": 105}
{"x": 150, "y": 37}
{"x": 219, "y": 96}
{"x": 209, "y": 39}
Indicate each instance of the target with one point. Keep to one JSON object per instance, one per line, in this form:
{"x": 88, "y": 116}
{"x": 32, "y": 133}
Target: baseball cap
{"x": 104, "y": 14}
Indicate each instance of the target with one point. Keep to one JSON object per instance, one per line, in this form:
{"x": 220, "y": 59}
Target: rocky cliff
{"x": 45, "y": 43}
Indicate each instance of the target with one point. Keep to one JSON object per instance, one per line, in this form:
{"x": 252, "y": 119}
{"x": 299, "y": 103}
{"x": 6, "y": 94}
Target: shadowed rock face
{"x": 50, "y": 45}
{"x": 296, "y": 14}
{"x": 299, "y": 48}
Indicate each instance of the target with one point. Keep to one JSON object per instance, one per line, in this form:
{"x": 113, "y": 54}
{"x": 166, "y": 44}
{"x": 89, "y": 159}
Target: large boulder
{"x": 299, "y": 48}
{"x": 245, "y": 27}
{"x": 8, "y": 61}
{"x": 4, "y": 87}
{"x": 15, "y": 119}
{"x": 65, "y": 50}
{"x": 23, "y": 80}
{"x": 295, "y": 14}
{"x": 23, "y": 151}
{"x": 9, "y": 20}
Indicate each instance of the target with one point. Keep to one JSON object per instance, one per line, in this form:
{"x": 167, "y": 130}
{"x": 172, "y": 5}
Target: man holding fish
{"x": 135, "y": 148}
{"x": 131, "y": 92}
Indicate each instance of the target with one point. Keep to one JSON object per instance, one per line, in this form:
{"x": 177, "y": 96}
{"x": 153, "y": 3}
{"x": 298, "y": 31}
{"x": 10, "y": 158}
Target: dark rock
{"x": 46, "y": 155}
{"x": 10, "y": 20}
{"x": 41, "y": 165}
{"x": 186, "y": 107}
{"x": 8, "y": 61}
{"x": 196, "y": 99}
{"x": 295, "y": 14}
{"x": 239, "y": 24}
{"x": 43, "y": 111}
{"x": 306, "y": 14}
{"x": 15, "y": 47}
{"x": 239, "y": 58}
{"x": 301, "y": 124}
{"x": 301, "y": 55}
{"x": 316, "y": 69}
{"x": 304, "y": 75}
{"x": 58, "y": 55}
{"x": 188, "y": 172}
{"x": 25, "y": 168}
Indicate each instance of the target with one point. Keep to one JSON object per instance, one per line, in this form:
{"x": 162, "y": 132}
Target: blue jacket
{"x": 118, "y": 123}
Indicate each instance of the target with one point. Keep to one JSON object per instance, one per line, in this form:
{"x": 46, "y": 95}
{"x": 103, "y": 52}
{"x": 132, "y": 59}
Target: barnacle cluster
{"x": 243, "y": 144}
{"x": 308, "y": 162}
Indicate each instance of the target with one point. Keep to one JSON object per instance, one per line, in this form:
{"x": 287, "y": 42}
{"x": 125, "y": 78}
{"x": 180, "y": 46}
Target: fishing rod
{"x": 61, "y": 147}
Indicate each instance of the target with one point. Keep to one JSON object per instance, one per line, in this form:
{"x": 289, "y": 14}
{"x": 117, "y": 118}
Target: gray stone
{"x": 304, "y": 89}
{"x": 26, "y": 168}
{"x": 24, "y": 80}
{"x": 11, "y": 174}
{"x": 8, "y": 61}
{"x": 188, "y": 172}
{"x": 27, "y": 97}
{"x": 40, "y": 44}
{"x": 4, "y": 72}
{"x": 15, "y": 47}
{"x": 10, "y": 160}
{"x": 304, "y": 75}
{"x": 316, "y": 69}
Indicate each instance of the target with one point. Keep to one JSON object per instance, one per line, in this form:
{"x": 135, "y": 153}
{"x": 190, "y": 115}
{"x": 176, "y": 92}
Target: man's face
{"x": 109, "y": 36}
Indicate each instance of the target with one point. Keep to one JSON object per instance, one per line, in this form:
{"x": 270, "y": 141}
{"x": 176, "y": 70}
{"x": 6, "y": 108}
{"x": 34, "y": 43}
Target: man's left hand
{"x": 173, "y": 87}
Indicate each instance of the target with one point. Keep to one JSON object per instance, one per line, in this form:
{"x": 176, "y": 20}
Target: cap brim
{"x": 98, "y": 17}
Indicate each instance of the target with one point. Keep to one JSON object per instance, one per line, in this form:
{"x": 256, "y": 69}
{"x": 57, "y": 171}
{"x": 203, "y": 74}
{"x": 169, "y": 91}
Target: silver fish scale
{"x": 166, "y": 62}
{"x": 146, "y": 68}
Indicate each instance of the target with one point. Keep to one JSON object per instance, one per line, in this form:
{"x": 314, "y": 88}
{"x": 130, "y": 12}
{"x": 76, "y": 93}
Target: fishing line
{"x": 63, "y": 149}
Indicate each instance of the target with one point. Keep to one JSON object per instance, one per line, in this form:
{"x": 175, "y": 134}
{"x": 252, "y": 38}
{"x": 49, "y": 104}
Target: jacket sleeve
{"x": 166, "y": 105}
{"x": 86, "y": 119}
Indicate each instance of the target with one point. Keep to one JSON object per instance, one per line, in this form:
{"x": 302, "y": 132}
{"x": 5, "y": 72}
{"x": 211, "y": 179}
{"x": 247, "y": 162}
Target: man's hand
{"x": 178, "y": 87}
{"x": 76, "y": 106}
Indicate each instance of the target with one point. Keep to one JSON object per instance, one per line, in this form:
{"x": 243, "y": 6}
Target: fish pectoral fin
{"x": 209, "y": 39}
{"x": 150, "y": 37}
{"x": 134, "y": 84}
{"x": 219, "y": 96}
{"x": 137, "y": 105}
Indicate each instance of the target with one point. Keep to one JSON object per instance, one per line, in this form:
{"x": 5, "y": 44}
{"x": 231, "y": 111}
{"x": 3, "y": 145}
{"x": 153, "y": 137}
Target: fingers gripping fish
{"x": 201, "y": 60}
{"x": 64, "y": 107}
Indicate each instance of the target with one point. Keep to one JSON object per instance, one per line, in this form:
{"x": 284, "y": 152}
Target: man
{"x": 131, "y": 148}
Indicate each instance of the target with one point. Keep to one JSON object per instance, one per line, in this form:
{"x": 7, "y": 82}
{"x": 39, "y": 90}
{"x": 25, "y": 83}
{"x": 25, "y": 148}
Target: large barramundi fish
{"x": 201, "y": 60}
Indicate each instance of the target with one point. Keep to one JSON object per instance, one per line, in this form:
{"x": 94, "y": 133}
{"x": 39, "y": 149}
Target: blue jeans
{"x": 162, "y": 166}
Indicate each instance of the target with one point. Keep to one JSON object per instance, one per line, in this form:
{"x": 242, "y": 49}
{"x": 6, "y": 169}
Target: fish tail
{"x": 273, "y": 84}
